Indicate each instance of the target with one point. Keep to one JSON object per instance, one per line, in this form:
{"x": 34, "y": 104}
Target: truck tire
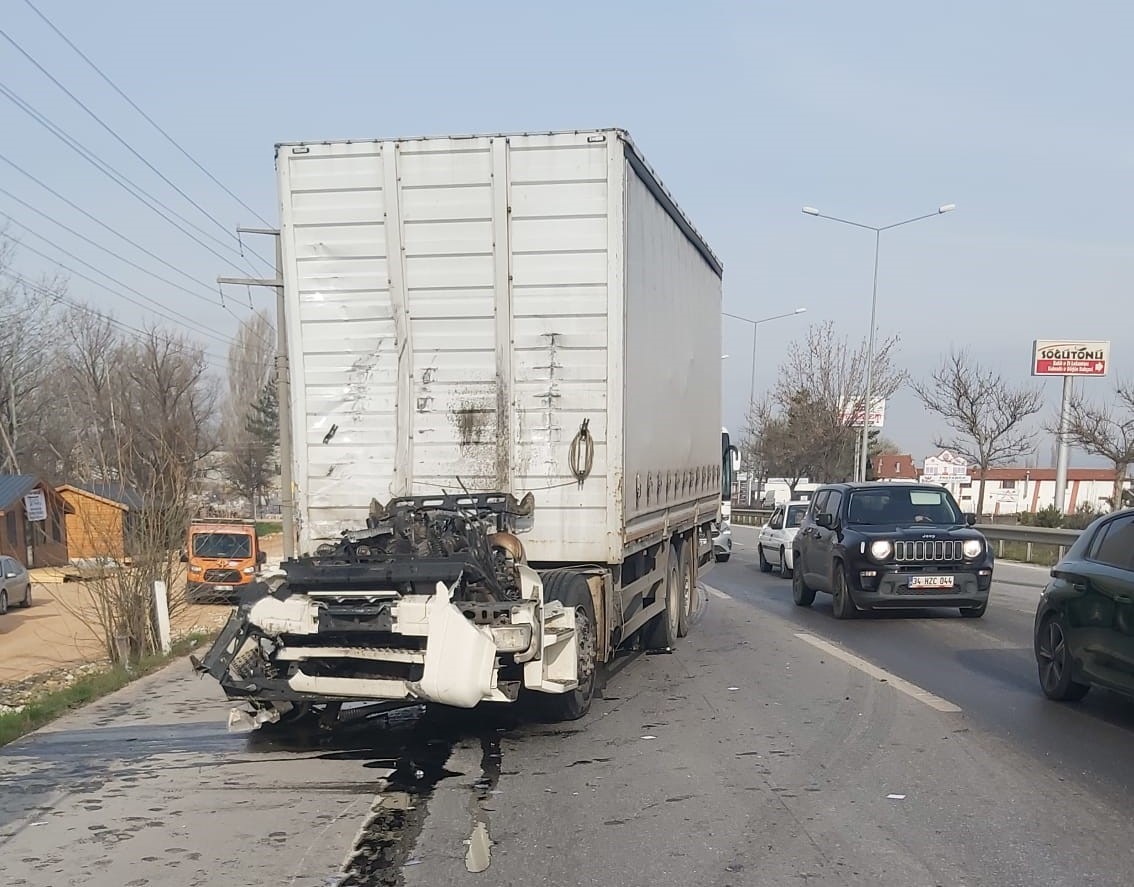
{"x": 687, "y": 566}
{"x": 660, "y": 634}
{"x": 570, "y": 589}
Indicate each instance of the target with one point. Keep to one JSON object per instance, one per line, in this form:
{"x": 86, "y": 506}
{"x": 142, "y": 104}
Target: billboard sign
{"x": 1060, "y": 357}
{"x": 852, "y": 413}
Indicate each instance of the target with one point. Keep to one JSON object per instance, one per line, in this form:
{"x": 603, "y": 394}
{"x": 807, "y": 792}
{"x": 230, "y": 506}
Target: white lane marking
{"x": 899, "y": 684}
{"x": 719, "y": 595}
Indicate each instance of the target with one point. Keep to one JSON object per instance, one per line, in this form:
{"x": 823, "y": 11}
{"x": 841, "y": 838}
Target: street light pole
{"x": 868, "y": 393}
{"x": 752, "y": 378}
{"x": 755, "y": 327}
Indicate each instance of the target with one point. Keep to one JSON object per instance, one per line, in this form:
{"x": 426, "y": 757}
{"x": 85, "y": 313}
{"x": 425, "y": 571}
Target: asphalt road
{"x": 751, "y": 756}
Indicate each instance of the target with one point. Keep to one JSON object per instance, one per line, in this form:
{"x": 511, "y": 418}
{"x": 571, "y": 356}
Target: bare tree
{"x": 27, "y": 361}
{"x": 1106, "y": 431}
{"x": 985, "y": 413}
{"x": 805, "y": 429}
{"x": 146, "y": 404}
{"x": 248, "y": 451}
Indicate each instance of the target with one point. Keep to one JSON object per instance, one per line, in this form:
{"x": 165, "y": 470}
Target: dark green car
{"x": 1084, "y": 630}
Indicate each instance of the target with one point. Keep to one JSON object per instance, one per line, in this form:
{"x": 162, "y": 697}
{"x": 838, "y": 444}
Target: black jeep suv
{"x": 880, "y": 546}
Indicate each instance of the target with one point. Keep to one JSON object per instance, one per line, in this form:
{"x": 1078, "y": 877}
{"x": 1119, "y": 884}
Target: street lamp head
{"x": 947, "y": 208}
{"x": 799, "y": 310}
{"x": 811, "y": 211}
{"x": 724, "y": 357}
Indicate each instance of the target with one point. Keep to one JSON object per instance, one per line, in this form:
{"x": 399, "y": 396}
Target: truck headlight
{"x": 881, "y": 549}
{"x": 194, "y": 568}
{"x": 512, "y": 638}
{"x": 972, "y": 548}
{"x": 248, "y": 571}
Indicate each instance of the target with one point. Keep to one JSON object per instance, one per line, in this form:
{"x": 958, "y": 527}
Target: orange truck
{"x": 222, "y": 558}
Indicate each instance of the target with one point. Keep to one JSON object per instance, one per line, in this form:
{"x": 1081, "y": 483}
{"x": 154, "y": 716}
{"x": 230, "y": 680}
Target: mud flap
{"x": 459, "y": 659}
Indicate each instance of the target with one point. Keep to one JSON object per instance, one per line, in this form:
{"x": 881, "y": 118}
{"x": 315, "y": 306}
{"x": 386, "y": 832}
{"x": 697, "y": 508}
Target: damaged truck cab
{"x": 433, "y": 601}
{"x": 530, "y": 320}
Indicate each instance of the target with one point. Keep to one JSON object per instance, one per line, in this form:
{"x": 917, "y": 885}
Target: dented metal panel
{"x": 462, "y": 313}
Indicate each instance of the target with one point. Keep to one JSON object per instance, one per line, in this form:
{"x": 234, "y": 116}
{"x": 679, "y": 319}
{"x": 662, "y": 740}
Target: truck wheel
{"x": 661, "y": 632}
{"x": 688, "y": 569}
{"x": 571, "y": 590}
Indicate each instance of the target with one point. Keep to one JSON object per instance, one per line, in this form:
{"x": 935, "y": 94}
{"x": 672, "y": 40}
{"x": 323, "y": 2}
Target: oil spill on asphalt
{"x": 478, "y": 857}
{"x": 416, "y": 755}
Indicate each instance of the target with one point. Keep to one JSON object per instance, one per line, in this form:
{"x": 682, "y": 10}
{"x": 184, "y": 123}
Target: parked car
{"x": 774, "y": 543}
{"x": 15, "y": 585}
{"x": 875, "y": 546}
{"x": 1084, "y": 628}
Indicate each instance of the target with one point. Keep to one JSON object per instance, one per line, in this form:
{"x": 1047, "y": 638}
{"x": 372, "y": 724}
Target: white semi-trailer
{"x": 505, "y": 395}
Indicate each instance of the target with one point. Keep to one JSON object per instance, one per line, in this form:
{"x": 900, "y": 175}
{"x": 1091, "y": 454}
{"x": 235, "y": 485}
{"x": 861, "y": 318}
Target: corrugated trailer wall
{"x": 672, "y": 365}
{"x": 455, "y": 315}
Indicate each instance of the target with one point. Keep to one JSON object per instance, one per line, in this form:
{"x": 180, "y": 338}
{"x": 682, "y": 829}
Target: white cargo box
{"x": 459, "y": 307}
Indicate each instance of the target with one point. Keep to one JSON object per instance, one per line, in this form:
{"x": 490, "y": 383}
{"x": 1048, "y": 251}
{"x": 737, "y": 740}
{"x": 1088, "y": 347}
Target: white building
{"x": 1016, "y": 490}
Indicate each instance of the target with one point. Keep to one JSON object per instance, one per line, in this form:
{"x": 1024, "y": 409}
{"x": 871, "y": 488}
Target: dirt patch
{"x": 58, "y": 632}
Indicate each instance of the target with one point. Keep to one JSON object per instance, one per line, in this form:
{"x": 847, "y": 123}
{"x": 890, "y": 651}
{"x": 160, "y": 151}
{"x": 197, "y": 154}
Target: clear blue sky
{"x": 1018, "y": 112}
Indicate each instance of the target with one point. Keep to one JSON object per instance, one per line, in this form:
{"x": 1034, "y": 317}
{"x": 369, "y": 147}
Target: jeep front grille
{"x": 927, "y": 551}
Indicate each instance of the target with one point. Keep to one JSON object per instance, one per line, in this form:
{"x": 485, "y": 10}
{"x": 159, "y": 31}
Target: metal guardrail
{"x": 1000, "y": 534}
{"x": 744, "y": 516}
{"x": 1055, "y": 537}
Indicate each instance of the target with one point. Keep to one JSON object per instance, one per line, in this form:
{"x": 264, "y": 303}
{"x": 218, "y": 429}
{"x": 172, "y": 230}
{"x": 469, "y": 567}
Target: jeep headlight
{"x": 881, "y": 549}
{"x": 972, "y": 548}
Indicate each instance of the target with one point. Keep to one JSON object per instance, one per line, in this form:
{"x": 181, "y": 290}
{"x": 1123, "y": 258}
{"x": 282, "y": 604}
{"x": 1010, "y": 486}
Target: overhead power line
{"x": 114, "y": 133}
{"x": 136, "y": 332}
{"x": 60, "y": 299}
{"x": 171, "y": 315}
{"x": 212, "y": 300}
{"x": 132, "y": 188}
{"x": 145, "y": 116}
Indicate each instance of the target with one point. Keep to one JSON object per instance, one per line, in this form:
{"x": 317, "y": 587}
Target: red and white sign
{"x": 852, "y": 414}
{"x": 1058, "y": 357}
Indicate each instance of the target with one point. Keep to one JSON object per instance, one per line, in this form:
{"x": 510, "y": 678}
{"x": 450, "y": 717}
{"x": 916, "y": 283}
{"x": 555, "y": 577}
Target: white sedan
{"x": 774, "y": 544}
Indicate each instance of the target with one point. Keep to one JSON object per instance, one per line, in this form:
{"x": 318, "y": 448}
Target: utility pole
{"x": 283, "y": 387}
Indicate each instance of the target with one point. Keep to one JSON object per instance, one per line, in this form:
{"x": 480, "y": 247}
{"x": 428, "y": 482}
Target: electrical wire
{"x": 204, "y": 330}
{"x": 94, "y": 218}
{"x": 145, "y": 116}
{"x": 211, "y": 300}
{"x": 60, "y": 299}
{"x": 117, "y": 137}
{"x": 123, "y": 181}
{"x": 136, "y": 332}
{"x": 166, "y": 281}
